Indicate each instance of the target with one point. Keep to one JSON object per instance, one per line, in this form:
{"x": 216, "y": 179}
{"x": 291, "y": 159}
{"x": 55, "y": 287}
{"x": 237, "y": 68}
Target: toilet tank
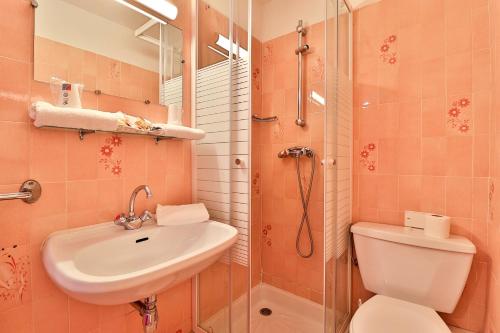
{"x": 403, "y": 263}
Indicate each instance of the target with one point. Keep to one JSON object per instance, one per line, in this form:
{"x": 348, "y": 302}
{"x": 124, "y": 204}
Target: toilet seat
{"x": 382, "y": 314}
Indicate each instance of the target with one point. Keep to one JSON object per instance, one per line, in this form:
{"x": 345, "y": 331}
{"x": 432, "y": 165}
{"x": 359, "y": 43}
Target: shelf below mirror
{"x": 156, "y": 137}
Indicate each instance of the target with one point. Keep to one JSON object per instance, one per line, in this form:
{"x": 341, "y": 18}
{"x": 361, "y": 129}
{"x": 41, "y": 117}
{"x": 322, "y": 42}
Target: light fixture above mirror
{"x": 224, "y": 43}
{"x": 154, "y": 9}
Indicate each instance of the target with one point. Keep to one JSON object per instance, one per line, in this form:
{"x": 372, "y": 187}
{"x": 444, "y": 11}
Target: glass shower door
{"x": 223, "y": 159}
{"x": 338, "y": 181}
{"x": 243, "y": 182}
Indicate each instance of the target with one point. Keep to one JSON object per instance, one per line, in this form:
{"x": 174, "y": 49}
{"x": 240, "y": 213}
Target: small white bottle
{"x": 174, "y": 115}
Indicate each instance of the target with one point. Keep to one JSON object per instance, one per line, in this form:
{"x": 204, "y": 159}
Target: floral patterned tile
{"x": 459, "y": 115}
{"x": 14, "y": 276}
{"x": 368, "y": 158}
{"x": 387, "y": 50}
{"x": 107, "y": 150}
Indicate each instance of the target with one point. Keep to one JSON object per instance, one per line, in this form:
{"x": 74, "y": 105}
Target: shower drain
{"x": 266, "y": 311}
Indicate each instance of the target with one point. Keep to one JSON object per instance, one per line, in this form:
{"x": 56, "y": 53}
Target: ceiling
{"x": 115, "y": 12}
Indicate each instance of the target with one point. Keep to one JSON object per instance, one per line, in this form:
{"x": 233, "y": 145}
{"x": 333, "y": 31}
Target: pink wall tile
{"x": 77, "y": 189}
{"x": 445, "y": 59}
{"x": 14, "y": 92}
{"x": 278, "y": 191}
{"x": 16, "y": 31}
{"x": 409, "y": 156}
{"x": 433, "y": 35}
{"x": 481, "y": 28}
{"x": 434, "y": 161}
{"x": 17, "y": 220}
{"x": 458, "y": 29}
{"x": 387, "y": 192}
{"x": 459, "y": 156}
{"x": 433, "y": 117}
{"x": 45, "y": 309}
{"x": 459, "y": 196}
{"x": 48, "y": 155}
{"x": 482, "y": 75}
{"x": 15, "y": 155}
{"x": 433, "y": 78}
{"x": 459, "y": 73}
{"x": 16, "y": 320}
{"x": 433, "y": 194}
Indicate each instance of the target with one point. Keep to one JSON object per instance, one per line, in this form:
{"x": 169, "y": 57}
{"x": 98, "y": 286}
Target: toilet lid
{"x": 382, "y": 314}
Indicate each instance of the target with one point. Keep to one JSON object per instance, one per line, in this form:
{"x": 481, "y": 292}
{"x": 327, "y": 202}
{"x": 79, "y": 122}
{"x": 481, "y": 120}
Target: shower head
{"x": 296, "y": 152}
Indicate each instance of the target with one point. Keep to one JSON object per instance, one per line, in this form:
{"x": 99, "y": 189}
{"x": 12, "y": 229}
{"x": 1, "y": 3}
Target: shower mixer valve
{"x": 296, "y": 152}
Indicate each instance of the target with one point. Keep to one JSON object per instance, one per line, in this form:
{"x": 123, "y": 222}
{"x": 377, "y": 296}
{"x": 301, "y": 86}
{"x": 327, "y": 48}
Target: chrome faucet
{"x": 131, "y": 222}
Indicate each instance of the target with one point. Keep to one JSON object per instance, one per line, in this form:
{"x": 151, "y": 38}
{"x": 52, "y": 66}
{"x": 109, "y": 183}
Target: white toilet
{"x": 413, "y": 276}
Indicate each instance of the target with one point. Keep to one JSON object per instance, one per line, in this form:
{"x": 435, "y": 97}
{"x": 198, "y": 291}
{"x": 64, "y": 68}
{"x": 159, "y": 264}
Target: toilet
{"x": 412, "y": 275}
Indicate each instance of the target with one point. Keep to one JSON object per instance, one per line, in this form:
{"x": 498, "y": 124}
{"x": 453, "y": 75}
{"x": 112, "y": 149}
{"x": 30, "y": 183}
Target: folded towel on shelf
{"x": 45, "y": 114}
{"x": 177, "y": 131}
{"x": 181, "y": 214}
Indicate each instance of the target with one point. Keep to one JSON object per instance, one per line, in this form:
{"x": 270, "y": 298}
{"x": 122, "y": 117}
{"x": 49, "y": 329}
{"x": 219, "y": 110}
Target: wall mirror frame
{"x": 111, "y": 48}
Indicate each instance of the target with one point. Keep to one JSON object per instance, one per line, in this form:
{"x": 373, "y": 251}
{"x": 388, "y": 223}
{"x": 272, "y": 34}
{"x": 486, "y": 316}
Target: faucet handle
{"x": 120, "y": 219}
{"x": 146, "y": 216}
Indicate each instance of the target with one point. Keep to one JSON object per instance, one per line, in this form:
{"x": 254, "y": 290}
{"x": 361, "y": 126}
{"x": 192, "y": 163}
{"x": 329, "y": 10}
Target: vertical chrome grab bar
{"x": 299, "y": 52}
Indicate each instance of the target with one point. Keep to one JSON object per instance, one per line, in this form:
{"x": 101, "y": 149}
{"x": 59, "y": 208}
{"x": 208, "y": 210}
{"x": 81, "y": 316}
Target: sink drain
{"x": 266, "y": 311}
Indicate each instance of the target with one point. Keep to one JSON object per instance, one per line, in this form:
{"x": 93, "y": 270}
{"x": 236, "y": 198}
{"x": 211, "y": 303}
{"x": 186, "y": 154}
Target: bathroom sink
{"x": 105, "y": 264}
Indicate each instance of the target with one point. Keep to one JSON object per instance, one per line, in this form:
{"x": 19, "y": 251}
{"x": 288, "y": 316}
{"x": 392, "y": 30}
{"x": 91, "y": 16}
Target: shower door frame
{"x": 334, "y": 84}
{"x": 194, "y": 70}
{"x": 194, "y": 67}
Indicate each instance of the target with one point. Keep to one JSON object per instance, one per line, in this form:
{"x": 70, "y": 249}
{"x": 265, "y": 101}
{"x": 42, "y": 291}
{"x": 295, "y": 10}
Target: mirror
{"x": 110, "y": 48}
{"x": 172, "y": 64}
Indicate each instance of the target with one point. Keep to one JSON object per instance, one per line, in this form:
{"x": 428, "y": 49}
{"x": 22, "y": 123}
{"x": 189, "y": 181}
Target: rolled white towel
{"x": 178, "y": 131}
{"x": 181, "y": 214}
{"x": 45, "y": 114}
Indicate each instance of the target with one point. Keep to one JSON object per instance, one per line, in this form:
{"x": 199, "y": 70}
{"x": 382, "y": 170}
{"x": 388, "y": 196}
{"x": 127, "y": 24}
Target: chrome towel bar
{"x": 29, "y": 192}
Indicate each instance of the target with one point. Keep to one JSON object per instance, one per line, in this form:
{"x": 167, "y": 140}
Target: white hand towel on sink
{"x": 181, "y": 214}
{"x": 45, "y": 114}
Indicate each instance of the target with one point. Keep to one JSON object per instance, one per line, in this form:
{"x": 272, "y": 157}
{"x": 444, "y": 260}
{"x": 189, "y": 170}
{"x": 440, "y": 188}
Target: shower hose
{"x": 305, "y": 195}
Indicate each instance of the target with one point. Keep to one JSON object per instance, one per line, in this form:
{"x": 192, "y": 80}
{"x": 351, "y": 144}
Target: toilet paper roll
{"x": 437, "y": 226}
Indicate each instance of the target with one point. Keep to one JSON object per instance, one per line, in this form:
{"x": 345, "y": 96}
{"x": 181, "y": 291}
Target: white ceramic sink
{"x": 105, "y": 264}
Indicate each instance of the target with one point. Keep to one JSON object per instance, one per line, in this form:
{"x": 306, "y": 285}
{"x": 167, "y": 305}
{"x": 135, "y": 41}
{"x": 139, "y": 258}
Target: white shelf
{"x": 82, "y": 132}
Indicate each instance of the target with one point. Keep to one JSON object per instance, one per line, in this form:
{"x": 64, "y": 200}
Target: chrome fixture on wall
{"x": 149, "y": 312}
{"x": 264, "y": 119}
{"x": 132, "y": 222}
{"x": 301, "y": 49}
{"x": 305, "y": 194}
{"x": 29, "y": 192}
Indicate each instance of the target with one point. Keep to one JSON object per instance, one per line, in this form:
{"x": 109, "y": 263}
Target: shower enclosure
{"x": 273, "y": 91}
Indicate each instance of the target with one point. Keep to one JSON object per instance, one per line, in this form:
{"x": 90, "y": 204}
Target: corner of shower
{"x": 276, "y": 164}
